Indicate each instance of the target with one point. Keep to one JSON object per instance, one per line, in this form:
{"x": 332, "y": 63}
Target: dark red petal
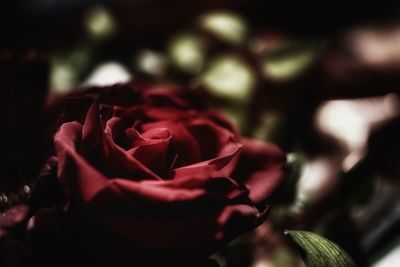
{"x": 157, "y": 216}
{"x": 212, "y": 138}
{"x": 151, "y": 148}
{"x": 260, "y": 168}
{"x": 164, "y": 96}
{"x": 222, "y": 121}
{"x": 76, "y": 108}
{"x": 99, "y": 148}
{"x": 75, "y": 171}
{"x": 152, "y": 136}
{"x": 184, "y": 145}
{"x": 165, "y": 113}
{"x": 121, "y": 95}
{"x": 225, "y": 164}
{"x": 13, "y": 216}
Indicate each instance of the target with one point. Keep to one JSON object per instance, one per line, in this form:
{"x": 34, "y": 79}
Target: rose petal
{"x": 211, "y": 137}
{"x": 158, "y": 216}
{"x": 162, "y": 96}
{"x": 165, "y": 113}
{"x": 152, "y": 136}
{"x": 75, "y": 108}
{"x": 151, "y": 148}
{"x": 13, "y": 216}
{"x": 183, "y": 143}
{"x": 225, "y": 164}
{"x": 260, "y": 168}
{"x": 72, "y": 168}
{"x": 100, "y": 150}
{"x": 222, "y": 122}
{"x": 121, "y": 95}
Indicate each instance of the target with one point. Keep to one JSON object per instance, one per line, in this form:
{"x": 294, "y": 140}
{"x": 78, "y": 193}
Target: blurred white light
{"x": 229, "y": 77}
{"x": 277, "y": 258}
{"x": 108, "y": 74}
{"x": 318, "y": 177}
{"x": 63, "y": 78}
{"x": 342, "y": 119}
{"x": 263, "y": 263}
{"x": 227, "y": 26}
{"x": 291, "y": 157}
{"x": 391, "y": 105}
{"x": 288, "y": 66}
{"x": 389, "y": 260}
{"x": 66, "y": 68}
{"x": 151, "y": 62}
{"x": 351, "y": 159}
{"x": 351, "y": 121}
{"x": 187, "y": 52}
{"x": 99, "y": 22}
{"x": 376, "y": 47}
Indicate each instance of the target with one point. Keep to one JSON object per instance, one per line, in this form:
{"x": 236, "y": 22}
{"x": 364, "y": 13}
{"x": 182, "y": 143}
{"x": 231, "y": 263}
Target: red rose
{"x": 158, "y": 174}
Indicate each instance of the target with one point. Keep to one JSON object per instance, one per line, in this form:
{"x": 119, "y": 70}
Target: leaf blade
{"x": 320, "y": 251}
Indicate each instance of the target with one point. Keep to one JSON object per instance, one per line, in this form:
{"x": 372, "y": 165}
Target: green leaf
{"x": 319, "y": 251}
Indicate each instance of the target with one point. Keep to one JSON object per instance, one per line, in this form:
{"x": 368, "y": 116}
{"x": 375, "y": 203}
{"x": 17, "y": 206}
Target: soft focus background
{"x": 321, "y": 81}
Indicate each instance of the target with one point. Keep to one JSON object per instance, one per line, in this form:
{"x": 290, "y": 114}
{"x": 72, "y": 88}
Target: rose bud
{"x": 152, "y": 178}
